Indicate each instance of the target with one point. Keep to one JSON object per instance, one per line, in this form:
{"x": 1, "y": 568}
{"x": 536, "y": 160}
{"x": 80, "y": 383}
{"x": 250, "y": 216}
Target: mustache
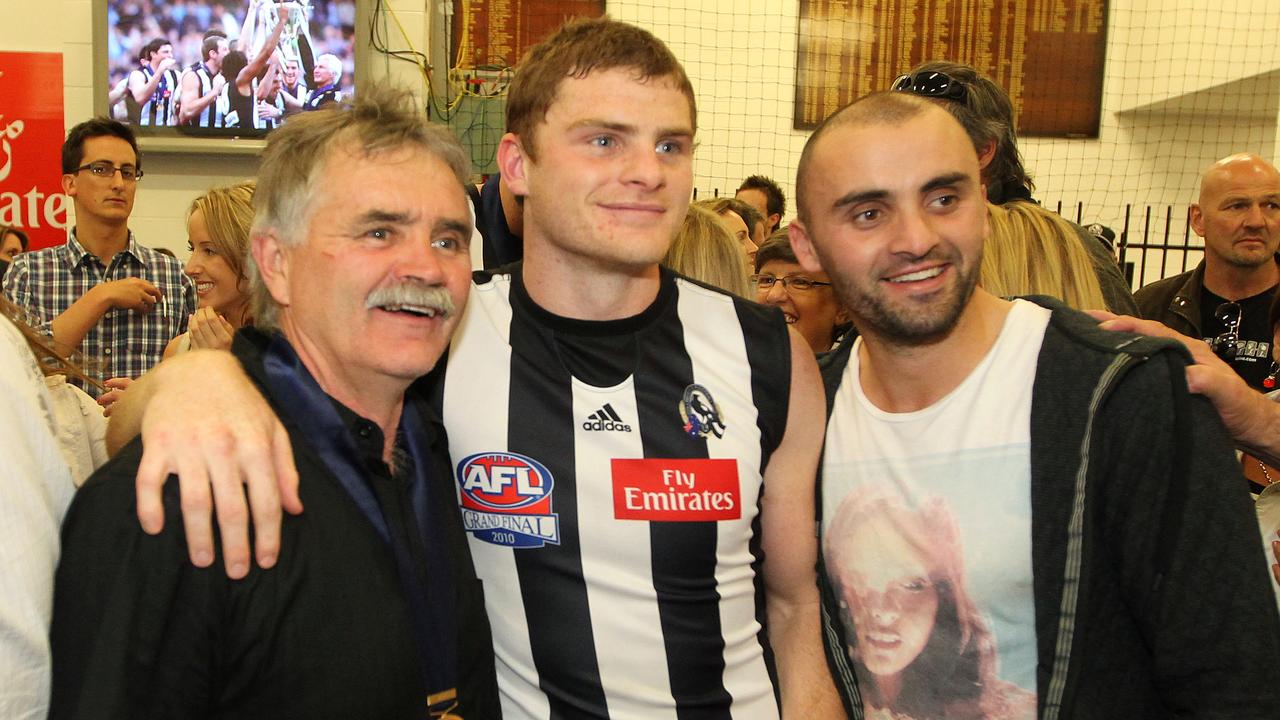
{"x": 412, "y": 294}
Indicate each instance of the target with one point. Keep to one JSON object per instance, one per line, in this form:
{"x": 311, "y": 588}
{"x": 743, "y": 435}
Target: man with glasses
{"x": 1225, "y": 299}
{"x": 985, "y": 111}
{"x": 805, "y": 298}
{"x": 103, "y": 293}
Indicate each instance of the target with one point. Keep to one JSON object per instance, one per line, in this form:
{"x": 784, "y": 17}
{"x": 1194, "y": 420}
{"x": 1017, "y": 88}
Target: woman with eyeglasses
{"x": 807, "y": 300}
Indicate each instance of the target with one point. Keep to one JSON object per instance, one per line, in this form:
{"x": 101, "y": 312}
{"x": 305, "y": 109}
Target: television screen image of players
{"x": 242, "y": 66}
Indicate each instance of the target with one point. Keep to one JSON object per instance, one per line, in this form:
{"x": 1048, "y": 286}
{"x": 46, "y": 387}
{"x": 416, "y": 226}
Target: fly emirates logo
{"x": 676, "y": 490}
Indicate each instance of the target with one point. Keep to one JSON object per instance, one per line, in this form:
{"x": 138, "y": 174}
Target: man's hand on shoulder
{"x": 203, "y": 420}
{"x": 1251, "y": 419}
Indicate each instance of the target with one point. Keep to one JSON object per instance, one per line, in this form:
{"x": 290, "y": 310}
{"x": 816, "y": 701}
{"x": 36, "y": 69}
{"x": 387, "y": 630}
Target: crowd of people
{"x": 557, "y": 444}
{"x": 202, "y": 67}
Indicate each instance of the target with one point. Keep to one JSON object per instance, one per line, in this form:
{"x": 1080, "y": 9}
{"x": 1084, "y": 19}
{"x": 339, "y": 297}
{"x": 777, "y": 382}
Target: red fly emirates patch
{"x": 676, "y": 490}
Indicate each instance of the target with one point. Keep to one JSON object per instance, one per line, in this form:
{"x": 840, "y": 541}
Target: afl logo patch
{"x": 700, "y": 413}
{"x": 506, "y": 500}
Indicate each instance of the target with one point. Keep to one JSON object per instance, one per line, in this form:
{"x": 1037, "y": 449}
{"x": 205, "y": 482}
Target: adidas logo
{"x": 606, "y": 418}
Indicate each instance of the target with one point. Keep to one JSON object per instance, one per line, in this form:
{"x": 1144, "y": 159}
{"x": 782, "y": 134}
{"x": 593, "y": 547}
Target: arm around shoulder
{"x": 203, "y": 420}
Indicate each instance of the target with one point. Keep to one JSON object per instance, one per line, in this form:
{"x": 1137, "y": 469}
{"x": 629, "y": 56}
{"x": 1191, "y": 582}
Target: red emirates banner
{"x": 31, "y": 133}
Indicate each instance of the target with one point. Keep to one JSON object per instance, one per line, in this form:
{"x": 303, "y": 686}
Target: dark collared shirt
{"x": 123, "y": 343}
{"x": 138, "y": 632}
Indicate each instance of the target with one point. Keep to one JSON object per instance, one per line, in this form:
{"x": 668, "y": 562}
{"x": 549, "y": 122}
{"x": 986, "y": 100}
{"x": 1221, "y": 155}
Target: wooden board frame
{"x": 499, "y": 32}
{"x": 1048, "y": 55}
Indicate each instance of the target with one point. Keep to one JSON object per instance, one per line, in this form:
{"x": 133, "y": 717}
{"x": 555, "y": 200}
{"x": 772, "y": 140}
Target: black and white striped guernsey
{"x": 616, "y": 529}
{"x": 211, "y": 116}
{"x": 262, "y": 122}
{"x": 159, "y": 109}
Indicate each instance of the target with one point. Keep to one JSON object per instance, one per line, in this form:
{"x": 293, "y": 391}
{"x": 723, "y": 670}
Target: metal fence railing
{"x": 1153, "y": 243}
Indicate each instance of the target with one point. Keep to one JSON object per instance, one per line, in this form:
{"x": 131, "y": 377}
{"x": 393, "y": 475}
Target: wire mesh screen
{"x": 1109, "y": 129}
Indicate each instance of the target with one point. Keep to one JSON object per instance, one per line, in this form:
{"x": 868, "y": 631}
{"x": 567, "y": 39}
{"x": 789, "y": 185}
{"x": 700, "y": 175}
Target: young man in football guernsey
{"x": 153, "y": 88}
{"x": 1000, "y": 538}
{"x": 202, "y": 85}
{"x": 613, "y": 427}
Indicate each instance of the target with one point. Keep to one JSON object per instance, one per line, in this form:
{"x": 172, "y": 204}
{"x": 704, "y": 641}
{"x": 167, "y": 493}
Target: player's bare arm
{"x": 259, "y": 61}
{"x": 142, "y": 88}
{"x": 791, "y": 548}
{"x": 193, "y": 103}
{"x": 203, "y": 420}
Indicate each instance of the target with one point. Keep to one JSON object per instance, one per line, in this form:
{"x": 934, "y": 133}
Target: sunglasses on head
{"x": 1224, "y": 346}
{"x": 931, "y": 84}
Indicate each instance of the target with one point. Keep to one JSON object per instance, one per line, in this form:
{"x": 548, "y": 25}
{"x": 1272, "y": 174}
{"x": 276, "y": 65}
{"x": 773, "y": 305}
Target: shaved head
{"x": 1234, "y": 167}
{"x": 882, "y": 108}
{"x": 1238, "y": 214}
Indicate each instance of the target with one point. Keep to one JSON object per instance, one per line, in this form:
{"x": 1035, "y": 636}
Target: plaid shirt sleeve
{"x": 18, "y": 288}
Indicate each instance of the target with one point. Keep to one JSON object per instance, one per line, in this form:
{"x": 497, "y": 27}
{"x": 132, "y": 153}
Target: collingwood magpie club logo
{"x": 604, "y": 420}
{"x": 700, "y": 413}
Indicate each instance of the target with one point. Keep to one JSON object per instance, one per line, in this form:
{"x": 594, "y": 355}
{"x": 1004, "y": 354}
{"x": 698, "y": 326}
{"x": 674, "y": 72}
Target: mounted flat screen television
{"x": 218, "y": 75}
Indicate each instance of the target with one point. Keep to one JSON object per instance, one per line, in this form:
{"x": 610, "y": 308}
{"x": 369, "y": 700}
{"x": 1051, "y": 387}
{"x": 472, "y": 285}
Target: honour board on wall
{"x": 1047, "y": 54}
{"x": 497, "y": 33}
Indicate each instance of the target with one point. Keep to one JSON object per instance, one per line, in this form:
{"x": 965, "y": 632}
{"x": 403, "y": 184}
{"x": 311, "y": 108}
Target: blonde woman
{"x": 218, "y": 237}
{"x": 705, "y": 251}
{"x": 742, "y": 220}
{"x": 1033, "y": 251}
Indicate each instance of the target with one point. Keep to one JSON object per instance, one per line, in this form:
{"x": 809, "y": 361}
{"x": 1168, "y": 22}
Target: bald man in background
{"x": 1226, "y": 298}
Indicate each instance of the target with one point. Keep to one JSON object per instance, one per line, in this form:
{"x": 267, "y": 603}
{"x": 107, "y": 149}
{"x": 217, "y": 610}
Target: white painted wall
{"x": 1188, "y": 81}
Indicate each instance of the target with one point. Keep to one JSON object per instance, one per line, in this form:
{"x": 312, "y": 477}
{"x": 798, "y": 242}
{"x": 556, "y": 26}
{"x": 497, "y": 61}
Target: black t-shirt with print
{"x": 1253, "y": 350}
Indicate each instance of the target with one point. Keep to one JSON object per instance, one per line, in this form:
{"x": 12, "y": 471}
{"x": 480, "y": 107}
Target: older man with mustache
{"x": 359, "y": 272}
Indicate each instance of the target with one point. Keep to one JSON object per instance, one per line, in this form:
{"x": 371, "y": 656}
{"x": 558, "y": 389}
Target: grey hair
{"x": 333, "y": 62}
{"x": 379, "y": 119}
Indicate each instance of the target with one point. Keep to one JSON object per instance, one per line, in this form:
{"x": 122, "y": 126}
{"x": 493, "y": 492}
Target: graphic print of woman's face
{"x": 885, "y": 586}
